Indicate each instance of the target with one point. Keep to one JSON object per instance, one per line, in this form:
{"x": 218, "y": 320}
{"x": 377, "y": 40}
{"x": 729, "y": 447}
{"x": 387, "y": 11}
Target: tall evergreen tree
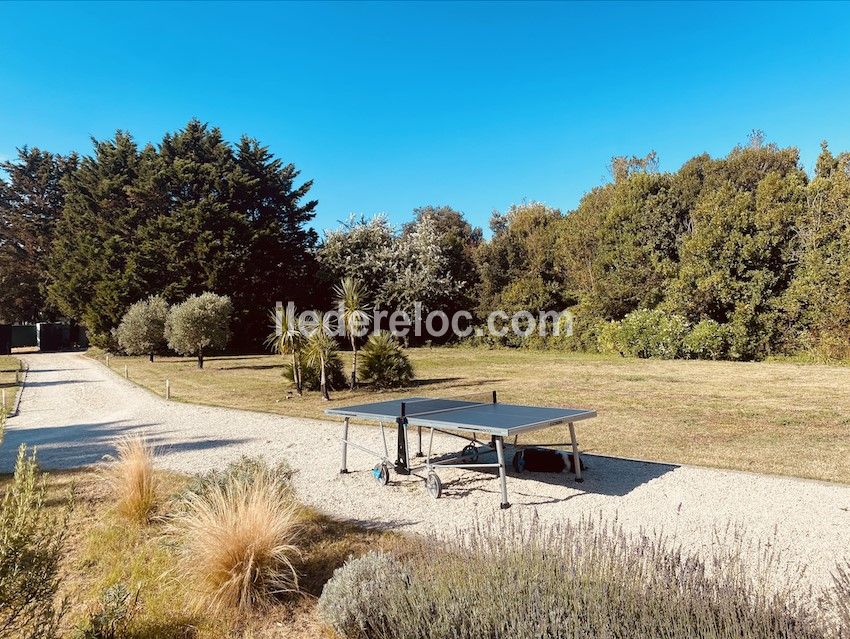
{"x": 31, "y": 200}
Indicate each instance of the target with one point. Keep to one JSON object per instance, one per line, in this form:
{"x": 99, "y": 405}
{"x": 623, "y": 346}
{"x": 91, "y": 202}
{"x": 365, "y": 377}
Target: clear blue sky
{"x": 392, "y": 106}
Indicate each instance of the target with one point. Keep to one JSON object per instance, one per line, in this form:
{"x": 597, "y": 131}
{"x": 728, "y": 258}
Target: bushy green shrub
{"x": 243, "y": 470}
{"x": 311, "y": 379}
{"x": 142, "y": 329}
{"x": 644, "y": 333}
{"x": 31, "y": 547}
{"x": 608, "y": 338}
{"x": 353, "y": 595}
{"x": 383, "y": 363}
{"x": 198, "y": 325}
{"x": 111, "y": 618}
{"x": 571, "y": 580}
{"x": 707, "y": 340}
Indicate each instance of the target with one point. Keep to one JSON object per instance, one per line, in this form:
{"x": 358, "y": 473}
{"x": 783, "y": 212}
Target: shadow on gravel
{"x": 610, "y": 476}
{"x": 62, "y": 447}
{"x": 61, "y": 382}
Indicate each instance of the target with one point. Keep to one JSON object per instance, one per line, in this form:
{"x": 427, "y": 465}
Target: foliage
{"x": 193, "y": 213}
{"x": 31, "y": 549}
{"x": 199, "y": 324}
{"x": 384, "y": 363}
{"x": 243, "y": 470}
{"x": 31, "y": 200}
{"x": 351, "y": 300}
{"x": 311, "y": 376}
{"x": 142, "y": 329}
{"x": 655, "y": 333}
{"x": 132, "y": 480}
{"x": 354, "y": 594}
{"x": 707, "y": 340}
{"x": 287, "y": 339}
{"x": 237, "y": 543}
{"x": 608, "y": 338}
{"x": 319, "y": 351}
{"x": 111, "y": 619}
{"x": 576, "y": 580}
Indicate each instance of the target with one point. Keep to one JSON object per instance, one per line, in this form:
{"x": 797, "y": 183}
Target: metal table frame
{"x": 430, "y": 420}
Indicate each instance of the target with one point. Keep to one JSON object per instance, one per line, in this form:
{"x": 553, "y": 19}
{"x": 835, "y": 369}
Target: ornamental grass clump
{"x": 237, "y": 543}
{"x": 133, "y": 480}
{"x": 582, "y": 580}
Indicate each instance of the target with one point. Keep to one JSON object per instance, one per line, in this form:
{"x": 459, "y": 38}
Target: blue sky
{"x": 392, "y": 106}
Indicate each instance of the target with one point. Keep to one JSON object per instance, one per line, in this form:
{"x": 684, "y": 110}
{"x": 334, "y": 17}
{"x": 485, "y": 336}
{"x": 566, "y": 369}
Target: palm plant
{"x": 351, "y": 297}
{"x": 286, "y": 339}
{"x": 319, "y": 349}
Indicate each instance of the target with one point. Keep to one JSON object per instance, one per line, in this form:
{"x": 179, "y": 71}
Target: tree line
{"x": 748, "y": 254}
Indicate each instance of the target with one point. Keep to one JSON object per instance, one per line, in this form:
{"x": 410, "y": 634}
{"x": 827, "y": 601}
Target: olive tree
{"x": 199, "y": 324}
{"x": 142, "y": 329}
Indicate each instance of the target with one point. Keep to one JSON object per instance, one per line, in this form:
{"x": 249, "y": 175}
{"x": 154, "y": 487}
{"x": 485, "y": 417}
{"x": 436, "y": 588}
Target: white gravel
{"x": 74, "y": 409}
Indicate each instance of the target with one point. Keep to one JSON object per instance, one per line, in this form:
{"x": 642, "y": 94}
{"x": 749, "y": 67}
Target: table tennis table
{"x": 466, "y": 418}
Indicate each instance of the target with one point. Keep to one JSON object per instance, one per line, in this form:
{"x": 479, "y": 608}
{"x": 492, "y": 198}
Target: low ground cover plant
{"x": 32, "y": 543}
{"x": 584, "y": 580}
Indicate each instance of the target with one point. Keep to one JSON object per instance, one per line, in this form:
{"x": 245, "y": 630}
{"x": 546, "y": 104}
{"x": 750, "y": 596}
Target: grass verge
{"x": 10, "y": 368}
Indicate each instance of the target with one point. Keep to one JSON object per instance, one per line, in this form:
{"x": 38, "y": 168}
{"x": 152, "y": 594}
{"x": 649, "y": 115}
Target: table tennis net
{"x": 430, "y": 405}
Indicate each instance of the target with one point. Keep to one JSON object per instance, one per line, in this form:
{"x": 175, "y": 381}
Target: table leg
{"x": 576, "y": 458}
{"x": 500, "y": 453}
{"x": 344, "y": 469}
{"x": 419, "y": 433}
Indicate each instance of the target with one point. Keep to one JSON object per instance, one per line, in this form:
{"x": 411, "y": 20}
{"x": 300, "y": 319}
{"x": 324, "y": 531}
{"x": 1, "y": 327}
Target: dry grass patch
{"x": 9, "y": 367}
{"x": 133, "y": 481}
{"x": 238, "y": 541}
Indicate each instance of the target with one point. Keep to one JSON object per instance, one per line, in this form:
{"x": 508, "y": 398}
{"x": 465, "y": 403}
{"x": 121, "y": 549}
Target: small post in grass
{"x": 126, "y": 372}
{"x": 167, "y": 390}
{"x": 107, "y": 360}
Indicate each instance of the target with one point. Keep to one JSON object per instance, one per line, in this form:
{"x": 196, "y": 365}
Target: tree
{"x": 319, "y": 350}
{"x": 199, "y": 324}
{"x": 31, "y": 202}
{"x": 287, "y": 339}
{"x": 193, "y": 214}
{"x": 142, "y": 329}
{"x": 350, "y": 296}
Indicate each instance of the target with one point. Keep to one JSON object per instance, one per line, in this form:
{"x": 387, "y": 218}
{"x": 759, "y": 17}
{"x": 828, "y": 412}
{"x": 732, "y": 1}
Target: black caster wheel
{"x": 519, "y": 462}
{"x": 381, "y": 473}
{"x": 433, "y": 485}
{"x": 470, "y": 452}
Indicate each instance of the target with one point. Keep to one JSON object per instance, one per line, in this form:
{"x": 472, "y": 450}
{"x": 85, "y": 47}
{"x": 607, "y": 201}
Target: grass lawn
{"x": 769, "y": 417}
{"x": 8, "y": 367}
{"x": 103, "y": 550}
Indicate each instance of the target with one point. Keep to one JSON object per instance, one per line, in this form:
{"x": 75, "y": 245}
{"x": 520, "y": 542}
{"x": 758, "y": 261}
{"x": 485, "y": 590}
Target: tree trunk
{"x": 353, "y": 363}
{"x": 201, "y": 358}
{"x": 324, "y": 382}
{"x": 151, "y": 356}
{"x": 296, "y": 373}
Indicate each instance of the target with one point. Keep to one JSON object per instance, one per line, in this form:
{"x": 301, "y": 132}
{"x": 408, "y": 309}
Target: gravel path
{"x": 74, "y": 409}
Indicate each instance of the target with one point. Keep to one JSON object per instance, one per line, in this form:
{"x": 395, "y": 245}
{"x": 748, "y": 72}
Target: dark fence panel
{"x": 5, "y": 339}
{"x": 24, "y": 336}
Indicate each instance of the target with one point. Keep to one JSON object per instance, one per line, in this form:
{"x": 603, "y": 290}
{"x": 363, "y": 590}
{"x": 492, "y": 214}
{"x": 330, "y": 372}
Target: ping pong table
{"x": 465, "y": 418}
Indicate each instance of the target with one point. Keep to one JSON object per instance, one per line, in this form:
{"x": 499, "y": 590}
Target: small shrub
{"x": 654, "y": 333}
{"x": 31, "y": 549}
{"x": 842, "y": 598}
{"x": 142, "y": 329}
{"x": 111, "y": 619}
{"x": 236, "y": 544}
{"x": 311, "y": 378}
{"x": 133, "y": 481}
{"x": 571, "y": 580}
{"x": 608, "y": 338}
{"x": 244, "y": 470}
{"x": 347, "y": 599}
{"x": 199, "y": 324}
{"x": 707, "y": 340}
{"x": 383, "y": 363}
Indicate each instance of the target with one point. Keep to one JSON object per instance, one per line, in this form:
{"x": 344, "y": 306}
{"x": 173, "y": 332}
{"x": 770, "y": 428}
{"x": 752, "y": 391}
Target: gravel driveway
{"x": 74, "y": 409}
